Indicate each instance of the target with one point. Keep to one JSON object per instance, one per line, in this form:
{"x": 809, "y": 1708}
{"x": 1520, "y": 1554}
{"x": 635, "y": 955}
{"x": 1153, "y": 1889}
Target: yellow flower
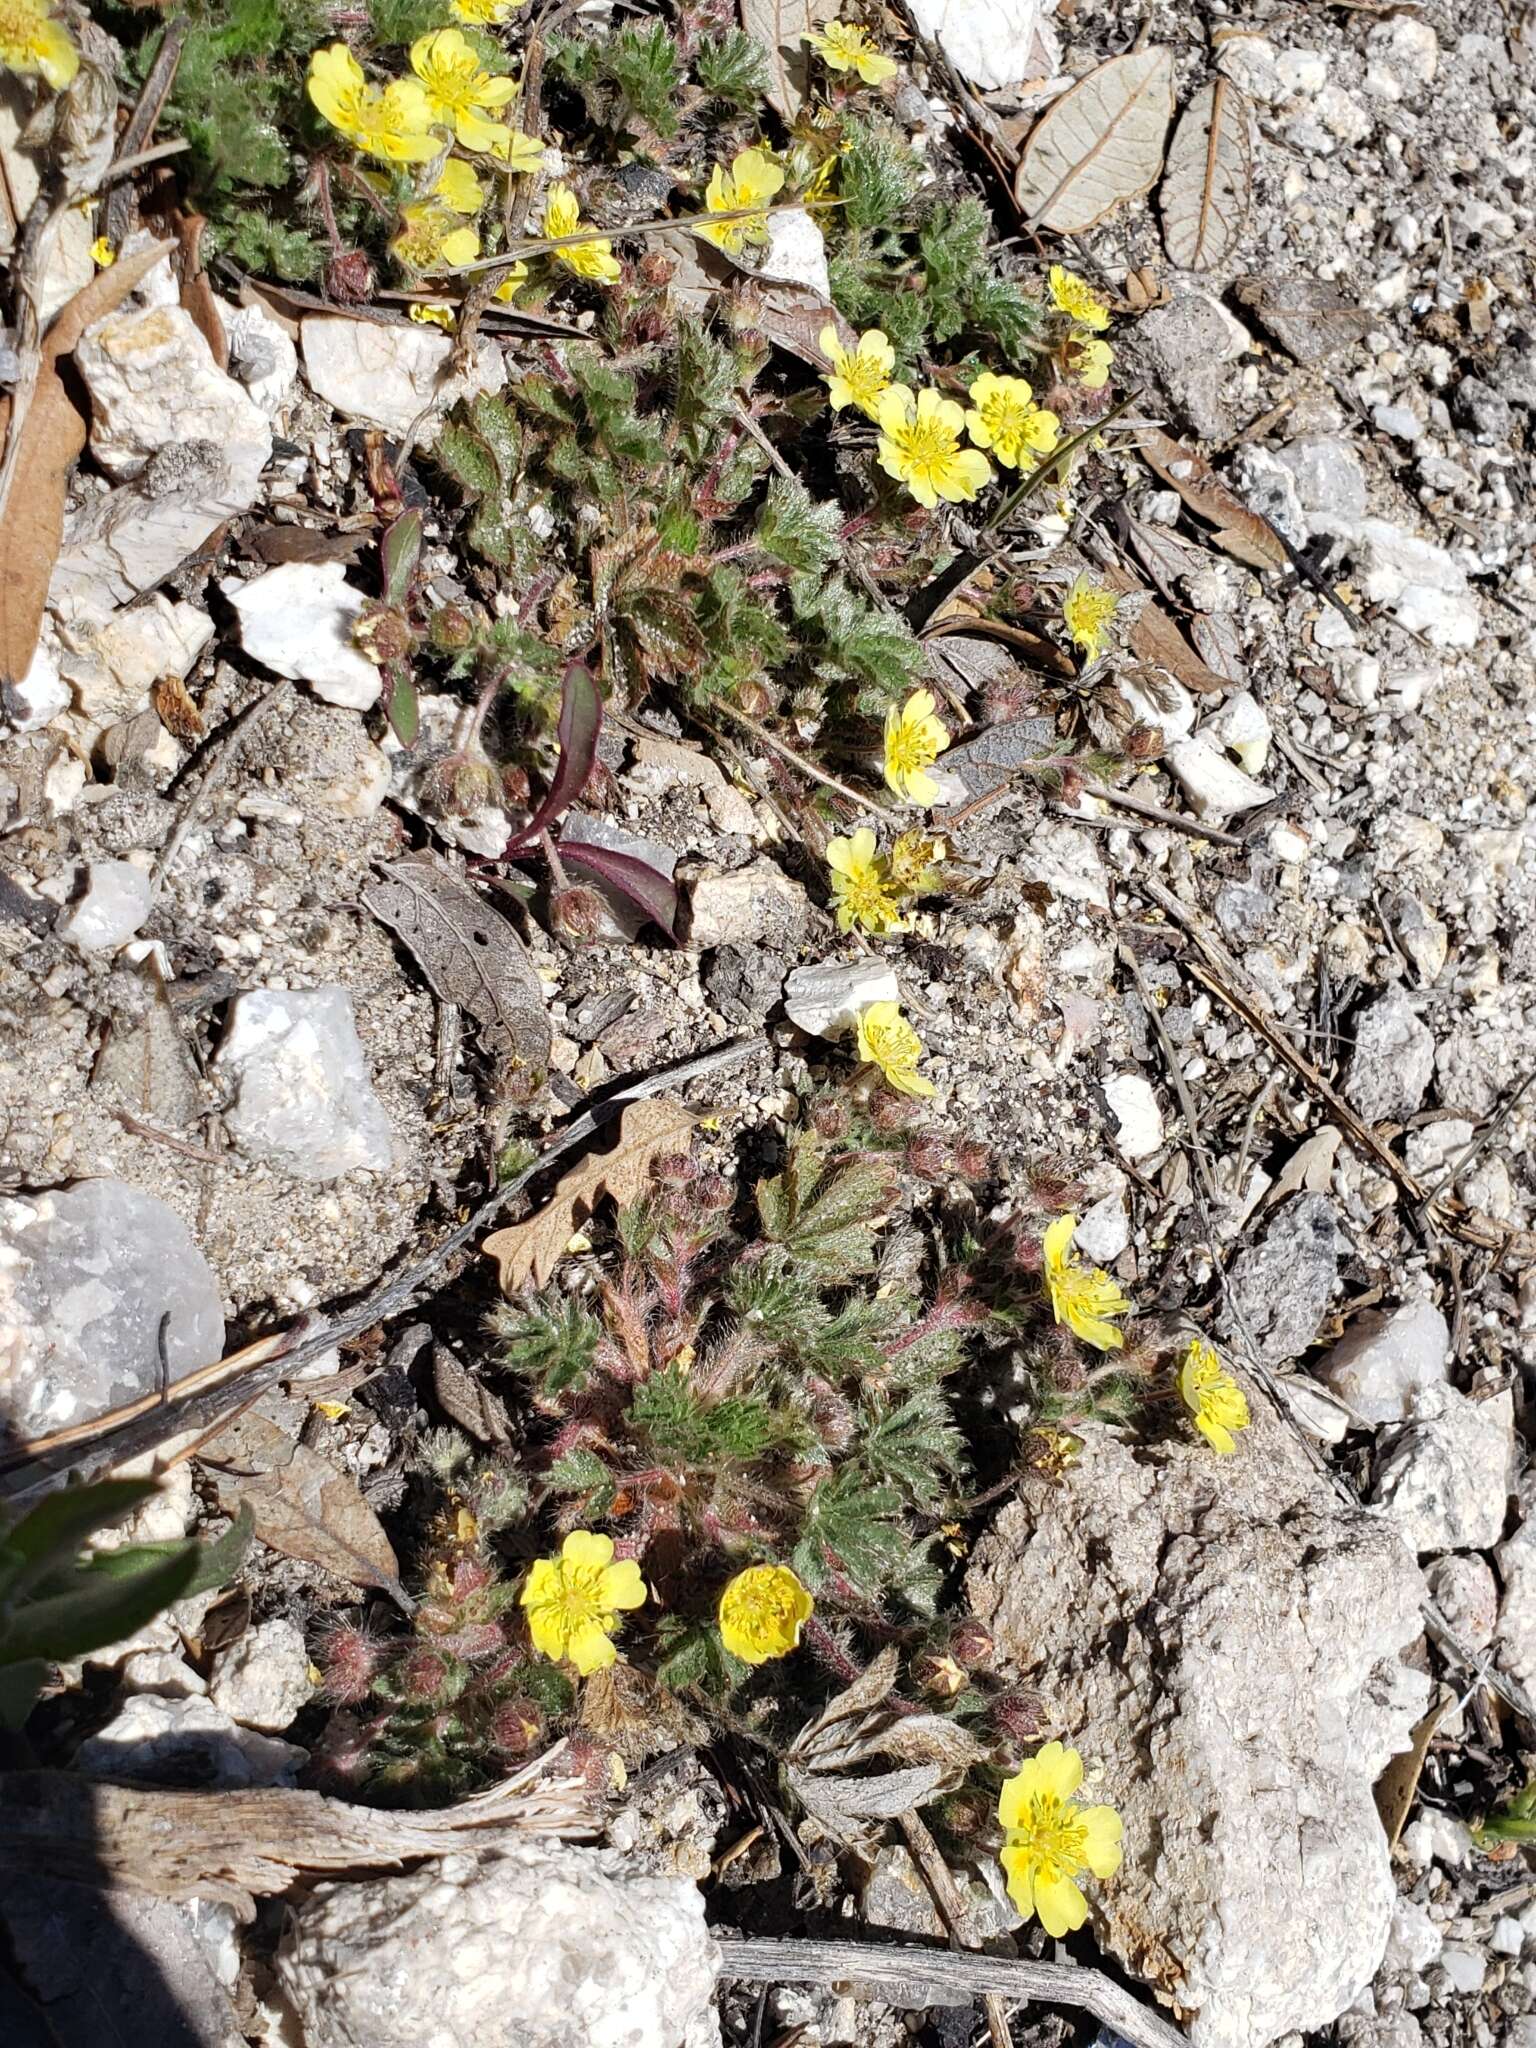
{"x": 562, "y": 216}
{"x": 1005, "y": 418}
{"x": 433, "y": 316}
{"x": 34, "y": 46}
{"x": 1082, "y": 1297}
{"x": 483, "y": 13}
{"x": 861, "y": 890}
{"x": 1088, "y": 611}
{"x": 1050, "y": 1840}
{"x": 1079, "y": 301}
{"x": 459, "y": 188}
{"x": 573, "y": 1601}
{"x": 914, "y": 740}
{"x": 515, "y": 278}
{"x": 459, "y": 92}
{"x": 394, "y": 124}
{"x": 861, "y": 375}
{"x": 1215, "y": 1400}
{"x": 762, "y": 1611}
{"x": 521, "y": 153}
{"x": 103, "y": 255}
{"x": 888, "y": 1041}
{"x": 843, "y": 46}
{"x": 752, "y": 178}
{"x": 920, "y": 447}
{"x": 432, "y": 237}
{"x": 1088, "y": 361}
{"x": 911, "y": 864}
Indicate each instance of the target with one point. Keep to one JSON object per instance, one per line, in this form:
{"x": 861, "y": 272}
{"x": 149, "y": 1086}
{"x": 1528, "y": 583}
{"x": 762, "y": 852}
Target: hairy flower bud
{"x": 673, "y": 1169}
{"x": 890, "y": 1112}
{"x": 754, "y": 699}
{"x": 829, "y": 1117}
{"x": 516, "y": 1728}
{"x": 713, "y": 1192}
{"x": 973, "y": 1160}
{"x": 450, "y": 629}
{"x": 423, "y": 1675}
{"x": 349, "y": 278}
{"x": 514, "y": 784}
{"x": 349, "y": 1658}
{"x": 929, "y": 1157}
{"x": 1019, "y": 1715}
{"x": 1028, "y": 1255}
{"x": 1072, "y": 786}
{"x": 576, "y": 913}
{"x": 1143, "y": 743}
{"x": 967, "y": 1813}
{"x": 457, "y": 785}
{"x": 971, "y": 1644}
{"x": 939, "y": 1675}
{"x": 382, "y": 633}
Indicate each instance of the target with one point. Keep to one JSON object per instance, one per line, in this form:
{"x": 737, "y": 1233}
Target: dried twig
{"x": 222, "y": 755}
{"x": 954, "y": 1911}
{"x": 912, "y": 1977}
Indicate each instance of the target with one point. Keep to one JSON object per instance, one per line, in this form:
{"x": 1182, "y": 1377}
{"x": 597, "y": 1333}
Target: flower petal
{"x": 1058, "y": 1770}
{"x": 582, "y": 1547}
{"x": 1019, "y": 1869}
{"x": 1102, "y": 1834}
{"x": 590, "y": 1648}
{"x": 623, "y": 1585}
{"x": 1057, "y": 1238}
{"x": 1060, "y": 1905}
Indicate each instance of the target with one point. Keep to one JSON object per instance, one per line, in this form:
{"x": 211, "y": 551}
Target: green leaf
{"x": 400, "y": 551}
{"x": 733, "y": 67}
{"x": 51, "y": 1535}
{"x": 216, "y": 1561}
{"x": 851, "y": 1526}
{"x": 793, "y": 529}
{"x": 467, "y": 458}
{"x": 98, "y": 1610}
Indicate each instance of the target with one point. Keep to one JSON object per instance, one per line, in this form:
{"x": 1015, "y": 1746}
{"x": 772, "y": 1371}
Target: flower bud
{"x": 1143, "y": 743}
{"x": 576, "y": 913}
{"x": 349, "y": 278}
{"x": 890, "y": 1112}
{"x": 929, "y": 1157}
{"x": 516, "y": 1728}
{"x": 514, "y": 784}
{"x": 1072, "y": 786}
{"x": 423, "y": 1675}
{"x": 829, "y": 1117}
{"x": 971, "y": 1644}
{"x": 967, "y": 1814}
{"x": 450, "y": 629}
{"x": 673, "y": 1169}
{"x": 349, "y": 1658}
{"x": 1028, "y": 1254}
{"x": 1019, "y": 1715}
{"x": 940, "y": 1676}
{"x": 712, "y": 1191}
{"x": 382, "y": 633}
{"x": 973, "y": 1160}
{"x": 457, "y": 785}
{"x": 754, "y": 699}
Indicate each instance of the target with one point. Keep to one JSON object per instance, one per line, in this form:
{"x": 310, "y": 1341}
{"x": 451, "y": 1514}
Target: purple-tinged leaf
{"x": 646, "y": 887}
{"x": 400, "y": 706}
{"x": 581, "y": 720}
{"x": 400, "y": 550}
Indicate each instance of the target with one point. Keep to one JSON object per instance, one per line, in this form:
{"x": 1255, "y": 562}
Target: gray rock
{"x": 1445, "y": 1477}
{"x": 1282, "y": 1285}
{"x": 1465, "y": 1968}
{"x": 540, "y": 1946}
{"x": 263, "y": 1680}
{"x": 303, "y": 1100}
{"x": 1467, "y": 1594}
{"x": 1393, "y": 1061}
{"x": 89, "y": 1275}
{"x": 1187, "y": 345}
{"x": 745, "y": 907}
{"x": 186, "y": 1742}
{"x": 1223, "y": 1639}
{"x": 1330, "y": 478}
{"x": 115, "y": 902}
{"x": 1386, "y": 1359}
{"x": 1514, "y": 371}
{"x": 743, "y": 982}
{"x": 826, "y": 998}
{"x": 1477, "y": 405}
{"x": 896, "y": 1896}
{"x": 1104, "y": 1231}
{"x": 1516, "y": 1560}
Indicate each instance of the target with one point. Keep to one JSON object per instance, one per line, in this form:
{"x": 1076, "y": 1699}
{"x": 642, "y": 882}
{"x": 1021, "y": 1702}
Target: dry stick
{"x": 956, "y": 1914}
{"x": 228, "y": 747}
{"x": 135, "y": 138}
{"x": 806, "y": 767}
{"x": 1175, "y": 1072}
{"x": 143, "y": 1425}
{"x": 911, "y": 1977}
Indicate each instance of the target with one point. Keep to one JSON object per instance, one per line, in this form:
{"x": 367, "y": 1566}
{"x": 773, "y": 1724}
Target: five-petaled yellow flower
{"x": 35, "y": 46}
{"x": 1088, "y": 611}
{"x": 1082, "y": 1297}
{"x": 859, "y": 376}
{"x": 914, "y": 740}
{"x": 562, "y": 216}
{"x": 1215, "y": 1400}
{"x": 458, "y": 187}
{"x": 1088, "y": 360}
{"x": 844, "y": 46}
{"x": 574, "y": 1601}
{"x": 460, "y": 91}
{"x": 911, "y": 863}
{"x": 861, "y": 885}
{"x": 1005, "y": 418}
{"x": 1050, "y": 1840}
{"x": 433, "y": 237}
{"x": 395, "y": 124}
{"x": 920, "y": 446}
{"x": 483, "y": 13}
{"x": 1079, "y": 301}
{"x": 752, "y": 178}
{"x": 888, "y": 1041}
{"x": 762, "y": 1611}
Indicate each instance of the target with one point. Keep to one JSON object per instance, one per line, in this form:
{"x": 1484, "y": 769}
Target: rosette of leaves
{"x": 728, "y": 1395}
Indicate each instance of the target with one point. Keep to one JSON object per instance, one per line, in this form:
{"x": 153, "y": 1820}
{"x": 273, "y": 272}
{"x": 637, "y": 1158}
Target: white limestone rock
{"x": 116, "y": 900}
{"x": 1215, "y": 785}
{"x": 304, "y": 1102}
{"x": 1386, "y": 1360}
{"x": 389, "y": 375}
{"x": 543, "y": 1945}
{"x": 88, "y": 1275}
{"x": 1393, "y": 1061}
{"x": 152, "y": 380}
{"x": 1138, "y": 1119}
{"x": 992, "y": 45}
{"x": 261, "y": 356}
{"x": 179, "y": 1741}
{"x": 1223, "y": 1639}
{"x": 744, "y": 906}
{"x": 297, "y": 620}
{"x": 826, "y": 998}
{"x": 263, "y": 1680}
{"x": 111, "y": 663}
{"x": 1444, "y": 1478}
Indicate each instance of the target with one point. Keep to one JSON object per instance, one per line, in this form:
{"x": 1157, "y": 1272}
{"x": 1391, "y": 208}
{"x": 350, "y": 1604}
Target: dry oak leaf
{"x": 1099, "y": 143}
{"x": 1241, "y": 532}
{"x": 779, "y": 27}
{"x": 531, "y": 1250}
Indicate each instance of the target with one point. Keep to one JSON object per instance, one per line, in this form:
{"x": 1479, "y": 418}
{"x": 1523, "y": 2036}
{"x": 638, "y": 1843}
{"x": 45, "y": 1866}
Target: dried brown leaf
{"x": 1208, "y": 185}
{"x": 469, "y": 954}
{"x": 145, "y": 1064}
{"x": 175, "y": 710}
{"x": 1100, "y": 143}
{"x": 303, "y": 1506}
{"x": 532, "y": 1250}
{"x": 1241, "y": 532}
{"x": 1309, "y": 316}
{"x": 52, "y": 436}
{"x": 1155, "y": 637}
{"x": 780, "y": 26}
